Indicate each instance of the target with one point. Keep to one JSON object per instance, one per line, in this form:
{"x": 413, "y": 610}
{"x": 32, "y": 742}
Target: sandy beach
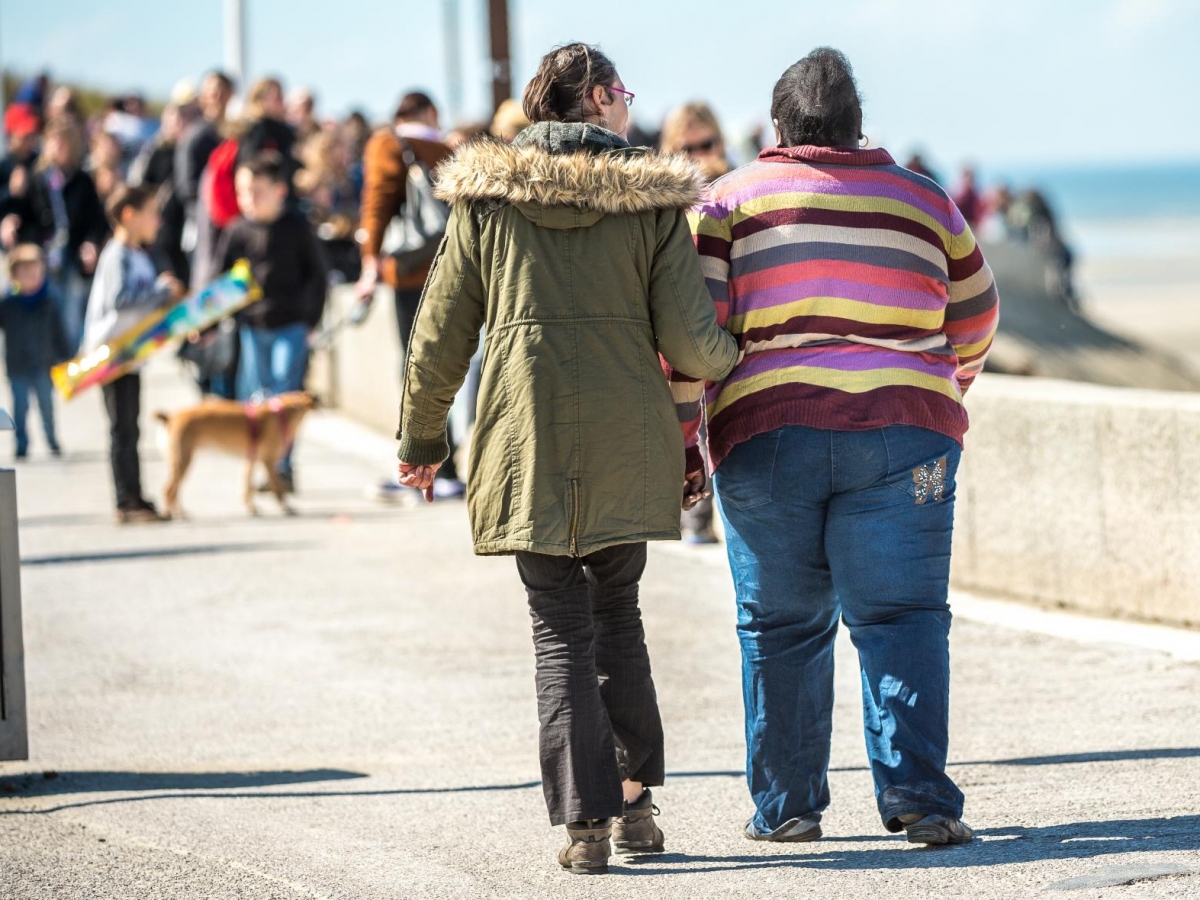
{"x": 1142, "y": 279}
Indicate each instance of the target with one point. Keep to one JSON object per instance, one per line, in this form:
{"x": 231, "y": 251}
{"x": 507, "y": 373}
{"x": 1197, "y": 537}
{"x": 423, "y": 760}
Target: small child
{"x": 289, "y": 266}
{"x": 126, "y": 290}
{"x": 35, "y": 341}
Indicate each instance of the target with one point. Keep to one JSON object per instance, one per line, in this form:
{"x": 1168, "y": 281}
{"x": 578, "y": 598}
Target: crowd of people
{"x": 821, "y": 310}
{"x": 346, "y": 183}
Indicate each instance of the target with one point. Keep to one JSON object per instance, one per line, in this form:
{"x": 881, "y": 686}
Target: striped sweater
{"x": 855, "y": 289}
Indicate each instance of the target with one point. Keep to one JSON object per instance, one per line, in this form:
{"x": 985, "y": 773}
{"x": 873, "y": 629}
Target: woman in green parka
{"x": 572, "y": 248}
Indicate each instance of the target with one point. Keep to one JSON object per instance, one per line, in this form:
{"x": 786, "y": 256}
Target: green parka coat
{"x": 574, "y": 251}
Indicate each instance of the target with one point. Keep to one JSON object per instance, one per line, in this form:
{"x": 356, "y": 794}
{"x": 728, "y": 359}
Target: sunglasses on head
{"x": 703, "y": 147}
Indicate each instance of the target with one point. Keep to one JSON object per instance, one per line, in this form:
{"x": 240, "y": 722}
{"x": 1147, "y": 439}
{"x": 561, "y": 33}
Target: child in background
{"x": 34, "y": 341}
{"x": 289, "y": 266}
{"x": 126, "y": 290}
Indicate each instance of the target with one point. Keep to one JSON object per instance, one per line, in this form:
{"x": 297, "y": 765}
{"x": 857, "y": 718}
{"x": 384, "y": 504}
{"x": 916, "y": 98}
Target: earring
{"x": 863, "y": 140}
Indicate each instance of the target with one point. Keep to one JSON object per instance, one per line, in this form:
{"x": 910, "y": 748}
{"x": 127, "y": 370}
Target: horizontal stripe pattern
{"x": 857, "y": 292}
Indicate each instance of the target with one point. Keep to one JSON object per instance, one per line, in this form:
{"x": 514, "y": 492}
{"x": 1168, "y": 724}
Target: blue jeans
{"x": 273, "y": 361}
{"x": 42, "y": 388}
{"x": 71, "y": 292}
{"x": 856, "y": 525}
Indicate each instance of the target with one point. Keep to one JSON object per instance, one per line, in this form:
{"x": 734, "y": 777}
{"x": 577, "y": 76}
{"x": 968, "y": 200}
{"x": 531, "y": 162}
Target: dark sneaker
{"x": 139, "y": 515}
{"x": 56, "y": 451}
{"x": 588, "y": 847}
{"x": 793, "y": 831}
{"x": 701, "y": 537}
{"x": 287, "y": 484}
{"x": 22, "y": 454}
{"x": 635, "y": 830}
{"x": 936, "y": 830}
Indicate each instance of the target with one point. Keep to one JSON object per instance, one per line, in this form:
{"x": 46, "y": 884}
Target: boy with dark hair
{"x": 126, "y": 289}
{"x": 288, "y": 265}
{"x": 34, "y": 341}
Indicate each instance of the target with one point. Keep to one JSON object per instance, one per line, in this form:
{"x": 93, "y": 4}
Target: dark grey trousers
{"x": 596, "y": 702}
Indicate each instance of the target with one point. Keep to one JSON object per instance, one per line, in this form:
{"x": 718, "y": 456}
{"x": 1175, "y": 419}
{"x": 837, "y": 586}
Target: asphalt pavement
{"x": 341, "y": 705}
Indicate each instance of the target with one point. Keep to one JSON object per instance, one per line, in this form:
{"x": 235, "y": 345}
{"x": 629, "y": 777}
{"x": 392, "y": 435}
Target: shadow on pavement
{"x": 154, "y": 553}
{"x": 1101, "y": 756}
{"x": 198, "y": 785}
{"x": 68, "y": 519}
{"x": 998, "y": 846}
{"x": 194, "y": 783}
{"x": 43, "y": 784}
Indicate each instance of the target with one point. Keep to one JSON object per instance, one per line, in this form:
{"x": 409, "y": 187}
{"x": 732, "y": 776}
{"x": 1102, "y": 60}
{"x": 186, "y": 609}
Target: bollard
{"x": 14, "y": 733}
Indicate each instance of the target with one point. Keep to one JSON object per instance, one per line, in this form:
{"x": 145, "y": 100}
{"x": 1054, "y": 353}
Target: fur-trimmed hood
{"x": 566, "y": 165}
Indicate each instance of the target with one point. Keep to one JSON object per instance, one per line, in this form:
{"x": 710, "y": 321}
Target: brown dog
{"x": 258, "y": 432}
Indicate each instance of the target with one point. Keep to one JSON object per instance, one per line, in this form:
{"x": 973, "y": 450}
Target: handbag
{"x": 414, "y": 235}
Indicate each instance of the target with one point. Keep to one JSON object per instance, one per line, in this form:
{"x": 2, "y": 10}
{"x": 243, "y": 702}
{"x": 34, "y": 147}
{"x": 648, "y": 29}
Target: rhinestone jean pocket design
{"x": 930, "y": 481}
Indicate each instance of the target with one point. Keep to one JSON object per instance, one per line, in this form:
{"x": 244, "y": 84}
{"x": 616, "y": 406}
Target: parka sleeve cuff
{"x": 421, "y": 451}
{"x": 694, "y": 461}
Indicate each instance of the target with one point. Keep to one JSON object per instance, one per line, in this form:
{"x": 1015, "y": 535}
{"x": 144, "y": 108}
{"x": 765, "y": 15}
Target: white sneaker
{"x": 793, "y": 831}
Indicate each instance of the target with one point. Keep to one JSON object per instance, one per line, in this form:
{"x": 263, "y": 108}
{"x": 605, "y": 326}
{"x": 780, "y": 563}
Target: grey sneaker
{"x": 588, "y": 847}
{"x": 936, "y": 829}
{"x": 793, "y": 831}
{"x": 635, "y": 830}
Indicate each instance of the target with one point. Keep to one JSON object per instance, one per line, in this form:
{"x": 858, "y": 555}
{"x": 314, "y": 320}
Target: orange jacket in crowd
{"x": 384, "y": 175}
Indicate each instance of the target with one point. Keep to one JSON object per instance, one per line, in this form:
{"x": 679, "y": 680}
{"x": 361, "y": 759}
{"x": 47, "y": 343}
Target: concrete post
{"x": 14, "y": 733}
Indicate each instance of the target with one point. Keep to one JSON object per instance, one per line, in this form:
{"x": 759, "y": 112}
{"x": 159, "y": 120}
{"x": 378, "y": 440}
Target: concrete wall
{"x": 1082, "y": 496}
{"x": 360, "y": 373}
{"x": 1070, "y": 494}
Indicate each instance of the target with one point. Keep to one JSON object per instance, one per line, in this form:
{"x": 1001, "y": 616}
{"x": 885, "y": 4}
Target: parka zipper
{"x": 575, "y": 517}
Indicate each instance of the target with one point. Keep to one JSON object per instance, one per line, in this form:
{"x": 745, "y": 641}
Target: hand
{"x": 8, "y": 230}
{"x": 419, "y": 477}
{"x": 88, "y": 255}
{"x": 174, "y": 286}
{"x": 18, "y": 181}
{"x": 695, "y": 489}
{"x": 364, "y": 289}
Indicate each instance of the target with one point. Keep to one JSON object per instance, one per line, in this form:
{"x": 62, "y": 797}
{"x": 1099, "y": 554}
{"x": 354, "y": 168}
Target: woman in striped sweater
{"x": 864, "y": 309}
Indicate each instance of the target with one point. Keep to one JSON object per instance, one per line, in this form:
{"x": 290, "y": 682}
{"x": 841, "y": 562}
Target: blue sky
{"x": 1001, "y": 82}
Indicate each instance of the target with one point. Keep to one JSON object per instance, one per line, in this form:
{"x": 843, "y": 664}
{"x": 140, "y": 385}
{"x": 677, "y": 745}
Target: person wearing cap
{"x": 19, "y": 223}
{"x": 34, "y": 341}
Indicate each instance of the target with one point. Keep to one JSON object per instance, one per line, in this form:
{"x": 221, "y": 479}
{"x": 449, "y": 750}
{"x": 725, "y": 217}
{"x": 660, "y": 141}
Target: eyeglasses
{"x": 628, "y": 94}
{"x": 703, "y": 147}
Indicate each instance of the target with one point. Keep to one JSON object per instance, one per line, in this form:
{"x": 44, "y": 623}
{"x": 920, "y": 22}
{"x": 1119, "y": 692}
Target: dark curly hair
{"x": 816, "y": 102}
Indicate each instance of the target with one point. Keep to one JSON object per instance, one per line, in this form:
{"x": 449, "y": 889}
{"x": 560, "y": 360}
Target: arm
{"x": 681, "y": 308}
{"x": 443, "y": 341}
{"x": 185, "y": 189}
{"x": 685, "y": 367}
{"x": 973, "y": 307}
{"x": 96, "y": 225}
{"x": 128, "y": 295}
{"x": 316, "y": 275}
{"x": 61, "y": 346}
{"x": 383, "y": 189}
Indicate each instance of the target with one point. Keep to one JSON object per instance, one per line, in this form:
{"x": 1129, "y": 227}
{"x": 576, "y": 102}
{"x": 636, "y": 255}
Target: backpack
{"x": 220, "y": 194}
{"x": 413, "y": 237}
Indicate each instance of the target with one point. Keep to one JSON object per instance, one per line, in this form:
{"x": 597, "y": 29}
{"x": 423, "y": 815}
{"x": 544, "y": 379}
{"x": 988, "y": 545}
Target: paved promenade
{"x": 341, "y": 705}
